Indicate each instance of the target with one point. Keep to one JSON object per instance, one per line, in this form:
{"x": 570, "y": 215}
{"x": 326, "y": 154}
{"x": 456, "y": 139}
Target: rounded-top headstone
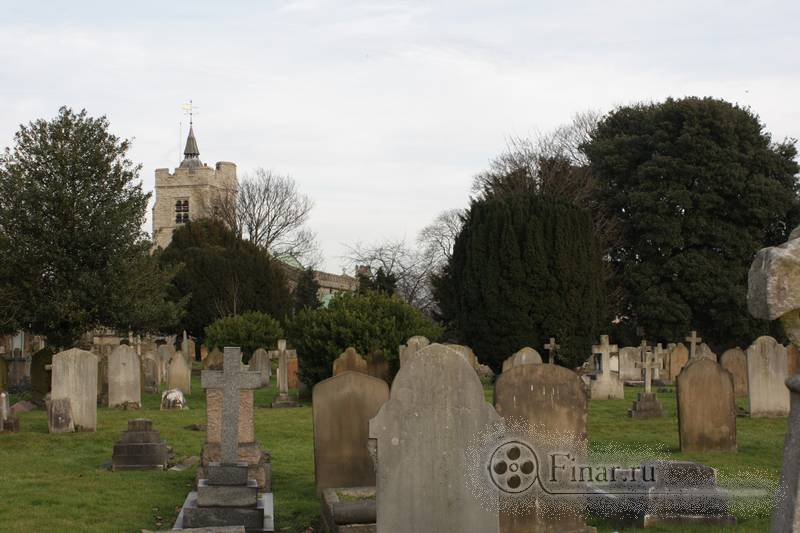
{"x": 767, "y": 371}
{"x": 706, "y": 408}
{"x": 735, "y": 362}
{"x": 525, "y": 356}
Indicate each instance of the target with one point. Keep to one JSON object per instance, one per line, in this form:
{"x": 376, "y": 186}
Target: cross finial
{"x": 551, "y": 348}
{"x": 189, "y": 109}
{"x": 693, "y": 341}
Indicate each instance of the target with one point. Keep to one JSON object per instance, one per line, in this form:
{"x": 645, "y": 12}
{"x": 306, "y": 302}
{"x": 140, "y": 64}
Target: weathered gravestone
{"x": 261, "y": 362}
{"x": 152, "y": 379}
{"x": 342, "y": 407}
{"x": 466, "y": 352}
{"x": 525, "y": 356}
{"x": 377, "y": 365}
{"x": 693, "y": 341}
{"x": 9, "y": 423}
{"x": 735, "y": 362}
{"x": 173, "y": 399}
{"x": 647, "y": 404}
{"x": 786, "y": 516}
{"x": 249, "y": 451}
{"x": 140, "y": 448}
{"x": 41, "y": 374}
{"x": 411, "y": 347}
{"x": 677, "y": 358}
{"x": 766, "y": 375}
{"x": 59, "y": 416}
{"x": 606, "y": 385}
{"x": 552, "y": 349}
{"x": 124, "y": 378}
{"x": 552, "y": 401}
{"x": 164, "y": 354}
{"x": 349, "y": 360}
{"x": 3, "y": 374}
{"x": 179, "y": 374}
{"x": 292, "y": 367}
{"x": 227, "y": 495}
{"x": 19, "y": 368}
{"x": 704, "y": 351}
{"x": 102, "y": 377}
{"x": 188, "y": 348}
{"x": 421, "y": 434}
{"x": 214, "y": 360}
{"x": 792, "y": 360}
{"x": 74, "y": 375}
{"x": 628, "y": 357}
{"x": 706, "y": 408}
{"x": 283, "y": 399}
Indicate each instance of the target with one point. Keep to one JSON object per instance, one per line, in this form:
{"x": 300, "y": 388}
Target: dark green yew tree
{"x": 697, "y": 187}
{"x": 524, "y": 269}
{"x": 305, "y": 294}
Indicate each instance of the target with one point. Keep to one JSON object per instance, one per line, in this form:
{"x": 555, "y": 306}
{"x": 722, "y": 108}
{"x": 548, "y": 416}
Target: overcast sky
{"x": 381, "y": 111}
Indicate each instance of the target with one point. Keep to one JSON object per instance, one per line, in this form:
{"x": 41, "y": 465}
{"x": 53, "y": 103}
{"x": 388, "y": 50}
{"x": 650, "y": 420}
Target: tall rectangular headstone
{"x": 766, "y": 375}
{"x": 735, "y": 362}
{"x": 124, "y": 377}
{"x": 74, "y": 375}
{"x": 342, "y": 407}
{"x": 551, "y": 400}
{"x": 179, "y": 374}
{"x": 706, "y": 407}
{"x": 436, "y": 406}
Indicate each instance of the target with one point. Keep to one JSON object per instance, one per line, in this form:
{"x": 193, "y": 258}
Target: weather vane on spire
{"x": 190, "y": 109}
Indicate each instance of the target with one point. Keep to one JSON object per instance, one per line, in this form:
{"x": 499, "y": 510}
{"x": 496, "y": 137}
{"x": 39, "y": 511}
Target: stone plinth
{"x": 140, "y": 448}
{"x": 355, "y": 514}
{"x": 646, "y": 406}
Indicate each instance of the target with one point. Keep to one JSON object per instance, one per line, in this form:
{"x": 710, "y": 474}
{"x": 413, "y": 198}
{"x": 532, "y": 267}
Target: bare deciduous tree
{"x": 439, "y": 236}
{"x": 268, "y": 210}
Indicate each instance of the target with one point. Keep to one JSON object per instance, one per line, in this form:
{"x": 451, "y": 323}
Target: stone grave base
{"x": 9, "y": 425}
{"x": 606, "y": 389}
{"x": 284, "y": 401}
{"x": 646, "y": 406}
{"x": 258, "y": 462}
{"x": 140, "y": 448}
{"x": 224, "y": 516}
{"x": 349, "y": 516}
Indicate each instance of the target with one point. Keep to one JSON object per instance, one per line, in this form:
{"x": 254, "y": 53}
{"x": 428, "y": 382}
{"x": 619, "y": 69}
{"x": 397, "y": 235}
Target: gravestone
{"x": 693, "y": 341}
{"x": 342, "y": 408}
{"x": 706, "y": 408}
{"x": 766, "y": 375}
{"x": 124, "y": 378}
{"x": 606, "y": 385}
{"x": 19, "y": 368}
{"x": 227, "y": 496}
{"x": 188, "y": 348}
{"x": 786, "y": 516}
{"x": 551, "y": 399}
{"x": 59, "y": 416}
{"x": 466, "y": 352}
{"x": 164, "y": 354}
{"x": 260, "y": 362}
{"x": 102, "y": 377}
{"x": 628, "y": 357}
{"x": 706, "y": 352}
{"x": 74, "y": 375}
{"x": 411, "y": 347}
{"x": 283, "y": 399}
{"x": 213, "y": 360}
{"x": 525, "y": 356}
{"x": 677, "y": 358}
{"x": 378, "y": 366}
{"x": 152, "y": 380}
{"x": 421, "y": 434}
{"x": 349, "y": 360}
{"x": 41, "y": 374}
{"x": 3, "y": 374}
{"x": 792, "y": 360}
{"x": 173, "y": 399}
{"x": 140, "y": 448}
{"x": 647, "y": 404}
{"x": 552, "y": 348}
{"x": 292, "y": 367}
{"x": 735, "y": 362}
{"x": 9, "y": 422}
{"x": 248, "y": 449}
{"x": 179, "y": 374}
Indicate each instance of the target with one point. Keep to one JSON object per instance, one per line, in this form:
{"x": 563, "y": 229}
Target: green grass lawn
{"x": 55, "y": 483}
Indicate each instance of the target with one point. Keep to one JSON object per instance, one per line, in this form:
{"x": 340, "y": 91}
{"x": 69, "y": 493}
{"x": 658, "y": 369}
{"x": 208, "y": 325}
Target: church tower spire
{"x": 191, "y": 154}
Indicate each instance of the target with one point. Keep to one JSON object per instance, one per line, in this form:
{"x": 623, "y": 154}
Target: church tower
{"x": 191, "y": 192}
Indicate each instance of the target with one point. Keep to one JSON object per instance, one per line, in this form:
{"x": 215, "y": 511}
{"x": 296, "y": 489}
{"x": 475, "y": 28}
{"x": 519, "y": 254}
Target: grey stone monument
{"x": 524, "y": 356}
{"x": 124, "y": 377}
{"x": 227, "y": 497}
{"x": 140, "y": 448}
{"x": 606, "y": 385}
{"x": 421, "y": 435}
{"x": 693, "y": 341}
{"x": 646, "y": 404}
{"x": 283, "y": 399}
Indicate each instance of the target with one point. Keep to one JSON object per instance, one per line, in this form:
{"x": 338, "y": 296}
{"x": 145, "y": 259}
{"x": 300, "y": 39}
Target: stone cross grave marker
{"x": 231, "y": 380}
{"x": 604, "y": 349}
{"x": 693, "y": 341}
{"x": 551, "y": 348}
{"x": 649, "y": 364}
{"x": 283, "y": 399}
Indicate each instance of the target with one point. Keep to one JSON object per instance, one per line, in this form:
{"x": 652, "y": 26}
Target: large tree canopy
{"x": 524, "y": 268}
{"x": 74, "y": 254}
{"x": 223, "y": 275}
{"x": 697, "y": 187}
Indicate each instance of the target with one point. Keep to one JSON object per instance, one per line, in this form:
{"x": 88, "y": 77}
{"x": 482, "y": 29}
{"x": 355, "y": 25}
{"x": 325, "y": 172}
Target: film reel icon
{"x": 513, "y": 467}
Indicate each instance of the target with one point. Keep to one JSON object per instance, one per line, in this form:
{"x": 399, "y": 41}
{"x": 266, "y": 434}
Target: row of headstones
{"x": 366, "y": 434}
